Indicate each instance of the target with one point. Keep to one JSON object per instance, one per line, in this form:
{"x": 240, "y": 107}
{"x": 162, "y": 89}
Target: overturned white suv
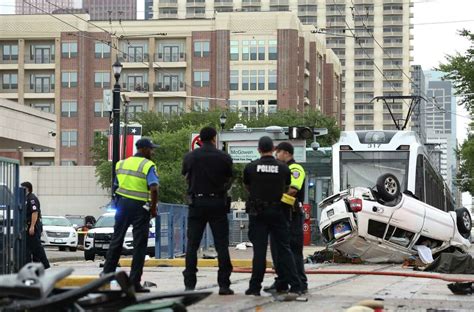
{"x": 385, "y": 225}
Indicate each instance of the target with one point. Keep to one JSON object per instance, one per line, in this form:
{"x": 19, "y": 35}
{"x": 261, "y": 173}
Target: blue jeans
{"x": 129, "y": 212}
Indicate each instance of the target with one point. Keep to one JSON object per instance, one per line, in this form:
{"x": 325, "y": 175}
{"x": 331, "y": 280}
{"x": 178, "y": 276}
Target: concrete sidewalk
{"x": 326, "y": 292}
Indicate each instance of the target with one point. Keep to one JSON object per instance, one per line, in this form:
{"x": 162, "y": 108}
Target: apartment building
{"x": 41, "y": 6}
{"x": 232, "y": 62}
{"x": 370, "y": 37}
{"x": 113, "y": 9}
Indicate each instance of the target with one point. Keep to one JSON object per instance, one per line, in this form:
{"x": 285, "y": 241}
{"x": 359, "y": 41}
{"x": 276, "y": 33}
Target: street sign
{"x": 107, "y": 99}
{"x": 247, "y": 151}
{"x": 195, "y": 141}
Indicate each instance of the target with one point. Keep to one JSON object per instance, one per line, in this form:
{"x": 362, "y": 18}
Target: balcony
{"x": 195, "y": 4}
{"x": 364, "y": 78}
{"x": 135, "y": 87}
{"x": 133, "y": 58}
{"x": 170, "y": 57}
{"x": 196, "y": 15}
{"x": 246, "y": 3}
{"x": 168, "y": 15}
{"x": 393, "y": 45}
{"x": 165, "y": 87}
{"x": 307, "y": 13}
{"x": 392, "y": 12}
{"x": 39, "y": 91}
{"x": 223, "y": 3}
{"x": 168, "y": 4}
{"x": 279, "y": 2}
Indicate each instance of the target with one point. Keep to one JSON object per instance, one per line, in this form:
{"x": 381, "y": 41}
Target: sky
{"x": 436, "y": 23}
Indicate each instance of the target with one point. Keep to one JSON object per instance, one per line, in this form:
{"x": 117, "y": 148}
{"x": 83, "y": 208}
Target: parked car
{"x": 58, "y": 232}
{"x": 81, "y": 223}
{"x": 97, "y": 240}
{"x": 385, "y": 225}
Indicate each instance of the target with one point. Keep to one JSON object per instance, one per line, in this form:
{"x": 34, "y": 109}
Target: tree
{"x": 172, "y": 133}
{"x": 465, "y": 176}
{"x": 459, "y": 68}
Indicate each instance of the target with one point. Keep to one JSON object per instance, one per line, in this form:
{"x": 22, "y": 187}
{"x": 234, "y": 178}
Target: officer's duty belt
{"x": 211, "y": 195}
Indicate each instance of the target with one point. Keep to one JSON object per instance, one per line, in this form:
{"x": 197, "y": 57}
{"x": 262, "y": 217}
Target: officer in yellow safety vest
{"x": 135, "y": 186}
{"x": 284, "y": 153}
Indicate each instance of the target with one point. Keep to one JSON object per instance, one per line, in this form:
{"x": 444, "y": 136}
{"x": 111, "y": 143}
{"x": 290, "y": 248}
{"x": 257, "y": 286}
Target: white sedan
{"x": 364, "y": 223}
{"x": 58, "y": 232}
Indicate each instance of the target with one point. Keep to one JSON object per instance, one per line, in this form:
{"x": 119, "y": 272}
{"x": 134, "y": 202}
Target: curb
{"x": 202, "y": 263}
{"x": 65, "y": 259}
{"x": 78, "y": 281}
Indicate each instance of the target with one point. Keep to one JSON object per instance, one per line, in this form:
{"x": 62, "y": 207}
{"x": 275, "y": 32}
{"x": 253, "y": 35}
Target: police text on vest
{"x": 267, "y": 169}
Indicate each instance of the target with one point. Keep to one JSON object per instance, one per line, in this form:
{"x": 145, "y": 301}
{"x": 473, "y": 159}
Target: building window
{"x": 200, "y": 105}
{"x": 202, "y": 48}
{"x": 201, "y": 79}
{"x": 69, "y": 79}
{"x": 44, "y": 107}
{"x": 253, "y": 50}
{"x": 10, "y": 81}
{"x": 100, "y": 135}
{"x": 234, "y": 80}
{"x": 99, "y": 109}
{"x": 10, "y": 52}
{"x": 245, "y": 80}
{"x": 261, "y": 50}
{"x": 102, "y": 50}
{"x": 135, "y": 109}
{"x": 68, "y": 163}
{"x": 245, "y": 50}
{"x": 272, "y": 79}
{"x": 272, "y": 50}
{"x": 261, "y": 80}
{"x": 69, "y": 49}
{"x": 170, "y": 109}
{"x": 68, "y": 138}
{"x": 68, "y": 108}
{"x": 234, "y": 50}
{"x": 272, "y": 106}
{"x": 233, "y": 105}
{"x": 102, "y": 80}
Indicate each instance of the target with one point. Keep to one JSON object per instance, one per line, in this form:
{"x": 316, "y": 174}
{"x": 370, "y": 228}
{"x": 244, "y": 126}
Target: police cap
{"x": 144, "y": 143}
{"x": 285, "y": 146}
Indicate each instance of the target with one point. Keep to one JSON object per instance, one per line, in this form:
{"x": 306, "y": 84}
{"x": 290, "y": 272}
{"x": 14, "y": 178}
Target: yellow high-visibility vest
{"x": 131, "y": 177}
{"x": 297, "y": 176}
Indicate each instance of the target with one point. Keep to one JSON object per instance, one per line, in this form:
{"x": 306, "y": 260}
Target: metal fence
{"x": 171, "y": 225}
{"x": 12, "y": 218}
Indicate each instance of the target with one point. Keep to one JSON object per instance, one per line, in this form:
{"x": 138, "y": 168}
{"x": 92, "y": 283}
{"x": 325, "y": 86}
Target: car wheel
{"x": 89, "y": 255}
{"x": 62, "y": 248}
{"x": 388, "y": 187}
{"x": 464, "y": 221}
{"x": 72, "y": 248}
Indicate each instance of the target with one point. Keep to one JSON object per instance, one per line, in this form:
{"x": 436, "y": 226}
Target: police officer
{"x": 284, "y": 153}
{"x": 34, "y": 249}
{"x": 136, "y": 185}
{"x": 208, "y": 172}
{"x": 267, "y": 179}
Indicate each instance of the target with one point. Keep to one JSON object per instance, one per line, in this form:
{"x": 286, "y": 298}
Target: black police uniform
{"x": 267, "y": 179}
{"x": 208, "y": 171}
{"x": 296, "y": 241}
{"x": 34, "y": 249}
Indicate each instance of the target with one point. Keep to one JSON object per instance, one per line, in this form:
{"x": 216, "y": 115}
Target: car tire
{"x": 464, "y": 221}
{"x": 388, "y": 187}
{"x": 62, "y": 248}
{"x": 89, "y": 255}
{"x": 72, "y": 248}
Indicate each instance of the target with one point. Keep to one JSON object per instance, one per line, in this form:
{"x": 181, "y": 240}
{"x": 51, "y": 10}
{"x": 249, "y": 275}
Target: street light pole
{"x": 117, "y": 68}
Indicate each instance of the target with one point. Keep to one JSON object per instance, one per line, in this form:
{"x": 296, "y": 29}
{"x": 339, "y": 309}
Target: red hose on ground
{"x": 383, "y": 273}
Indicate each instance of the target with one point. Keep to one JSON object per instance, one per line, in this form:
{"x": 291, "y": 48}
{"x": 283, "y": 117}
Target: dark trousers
{"x": 34, "y": 250}
{"x": 214, "y": 212}
{"x": 296, "y": 246}
{"x": 129, "y": 212}
{"x": 272, "y": 221}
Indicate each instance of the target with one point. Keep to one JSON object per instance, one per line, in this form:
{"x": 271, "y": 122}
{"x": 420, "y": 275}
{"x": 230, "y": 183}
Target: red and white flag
{"x": 134, "y": 133}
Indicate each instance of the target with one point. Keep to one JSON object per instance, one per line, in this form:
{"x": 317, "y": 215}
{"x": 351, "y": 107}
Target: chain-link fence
{"x": 12, "y": 218}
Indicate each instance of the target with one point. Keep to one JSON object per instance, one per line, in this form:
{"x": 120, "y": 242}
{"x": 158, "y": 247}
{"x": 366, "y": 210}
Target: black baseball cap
{"x": 286, "y": 146}
{"x": 144, "y": 143}
{"x": 265, "y": 144}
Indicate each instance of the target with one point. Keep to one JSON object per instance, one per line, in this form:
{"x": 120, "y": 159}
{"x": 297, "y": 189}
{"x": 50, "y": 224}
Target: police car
{"x": 97, "y": 240}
